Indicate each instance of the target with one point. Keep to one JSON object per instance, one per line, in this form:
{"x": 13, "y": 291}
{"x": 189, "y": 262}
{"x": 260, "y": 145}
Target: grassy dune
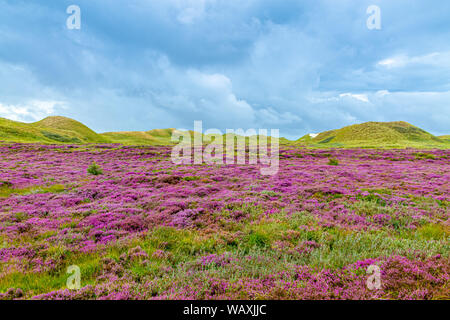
{"x": 397, "y": 134}
{"x": 48, "y": 130}
{"x": 152, "y": 137}
{"x": 57, "y": 130}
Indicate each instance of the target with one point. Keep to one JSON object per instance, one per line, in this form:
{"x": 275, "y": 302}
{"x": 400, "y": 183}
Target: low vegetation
{"x": 62, "y": 130}
{"x": 140, "y": 227}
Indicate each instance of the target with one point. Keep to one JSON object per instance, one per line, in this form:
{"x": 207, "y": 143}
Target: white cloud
{"x": 394, "y": 62}
{"x": 273, "y": 117}
{"x": 230, "y": 63}
{"x": 438, "y": 59}
{"x": 190, "y": 10}
{"x": 360, "y": 97}
{"x": 32, "y": 111}
{"x": 382, "y": 93}
{"x": 192, "y": 94}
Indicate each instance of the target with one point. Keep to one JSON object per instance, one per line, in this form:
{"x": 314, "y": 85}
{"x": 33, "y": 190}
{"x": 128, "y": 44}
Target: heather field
{"x": 140, "y": 227}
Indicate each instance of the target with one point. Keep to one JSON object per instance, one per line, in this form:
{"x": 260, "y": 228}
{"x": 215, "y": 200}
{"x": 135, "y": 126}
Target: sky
{"x": 297, "y": 66}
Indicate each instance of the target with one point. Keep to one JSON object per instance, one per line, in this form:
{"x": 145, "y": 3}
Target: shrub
{"x": 422, "y": 155}
{"x": 191, "y": 178}
{"x": 258, "y": 239}
{"x": 269, "y": 193}
{"x": 333, "y": 162}
{"x": 431, "y": 232}
{"x": 94, "y": 169}
{"x": 5, "y": 184}
{"x": 60, "y": 138}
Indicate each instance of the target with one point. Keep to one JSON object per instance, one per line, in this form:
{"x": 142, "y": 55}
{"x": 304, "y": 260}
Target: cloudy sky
{"x": 298, "y": 65}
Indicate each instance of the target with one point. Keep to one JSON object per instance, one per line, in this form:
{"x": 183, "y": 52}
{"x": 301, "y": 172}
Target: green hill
{"x": 370, "y": 135}
{"x": 375, "y": 134}
{"x": 48, "y": 130}
{"x": 64, "y": 129}
{"x": 159, "y": 137}
{"x": 152, "y": 137}
{"x": 58, "y": 129}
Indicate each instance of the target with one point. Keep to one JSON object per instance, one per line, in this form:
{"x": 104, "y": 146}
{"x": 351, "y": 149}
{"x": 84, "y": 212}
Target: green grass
{"x": 7, "y": 190}
{"x": 49, "y": 130}
{"x": 255, "y": 252}
{"x": 153, "y": 137}
{"x": 42, "y": 282}
{"x": 398, "y": 134}
{"x": 445, "y": 138}
{"x": 69, "y": 128}
{"x": 422, "y": 155}
{"x": 57, "y": 130}
{"x": 333, "y": 162}
{"x": 432, "y": 232}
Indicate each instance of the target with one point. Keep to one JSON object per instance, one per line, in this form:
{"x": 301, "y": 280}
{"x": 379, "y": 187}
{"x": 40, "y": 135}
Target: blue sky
{"x": 299, "y": 66}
